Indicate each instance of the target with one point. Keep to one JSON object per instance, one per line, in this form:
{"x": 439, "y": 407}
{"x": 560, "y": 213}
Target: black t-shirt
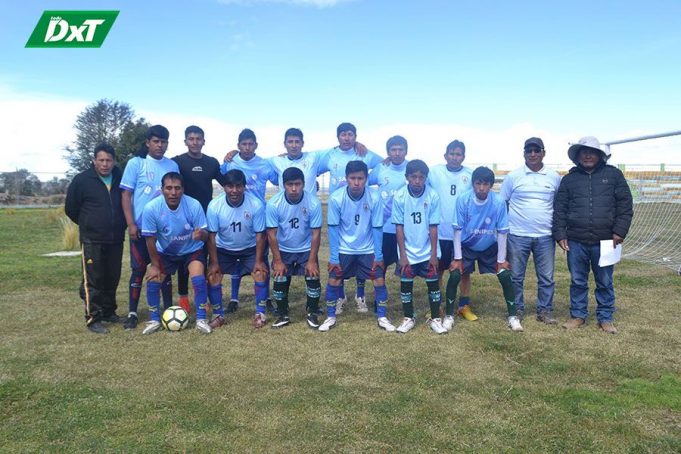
{"x": 198, "y": 175}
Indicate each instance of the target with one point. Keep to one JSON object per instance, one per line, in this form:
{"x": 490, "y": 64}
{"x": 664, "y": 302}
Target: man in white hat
{"x": 593, "y": 203}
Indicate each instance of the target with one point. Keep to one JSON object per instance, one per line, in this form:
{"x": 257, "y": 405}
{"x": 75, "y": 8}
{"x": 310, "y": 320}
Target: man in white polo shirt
{"x": 529, "y": 191}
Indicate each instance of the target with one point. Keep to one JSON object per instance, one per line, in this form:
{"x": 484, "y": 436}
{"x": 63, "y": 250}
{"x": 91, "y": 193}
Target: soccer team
{"x": 425, "y": 221}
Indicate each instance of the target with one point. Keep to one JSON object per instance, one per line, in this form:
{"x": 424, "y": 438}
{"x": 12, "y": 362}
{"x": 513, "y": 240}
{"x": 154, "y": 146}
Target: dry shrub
{"x": 69, "y": 234}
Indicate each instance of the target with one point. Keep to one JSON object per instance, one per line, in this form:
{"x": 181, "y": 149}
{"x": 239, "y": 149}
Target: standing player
{"x": 355, "y": 220}
{"x": 294, "y": 221}
{"x": 307, "y": 162}
{"x": 93, "y": 202}
{"x": 416, "y": 214}
{"x": 198, "y": 172}
{"x": 174, "y": 227}
{"x": 141, "y": 183}
{"x": 335, "y": 161}
{"x": 449, "y": 181}
{"x": 480, "y": 231}
{"x": 236, "y": 226}
{"x": 258, "y": 172}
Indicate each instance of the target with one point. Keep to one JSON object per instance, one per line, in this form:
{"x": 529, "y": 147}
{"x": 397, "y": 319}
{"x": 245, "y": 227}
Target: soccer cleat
{"x": 406, "y": 325}
{"x": 113, "y": 318}
{"x": 259, "y": 321}
{"x": 339, "y": 305}
{"x": 514, "y": 323}
{"x": 361, "y": 304}
{"x": 217, "y": 322}
{"x": 152, "y": 326}
{"x": 329, "y": 323}
{"x": 232, "y": 306}
{"x": 448, "y": 322}
{"x": 130, "y": 322}
{"x": 574, "y": 323}
{"x": 97, "y": 328}
{"x": 467, "y": 313}
{"x": 282, "y": 321}
{"x": 385, "y": 324}
{"x": 313, "y": 321}
{"x": 436, "y": 325}
{"x": 203, "y": 326}
{"x": 607, "y": 327}
{"x": 546, "y": 317}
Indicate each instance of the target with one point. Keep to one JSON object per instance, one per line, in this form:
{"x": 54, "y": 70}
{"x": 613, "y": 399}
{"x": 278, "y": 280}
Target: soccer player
{"x": 198, "y": 172}
{"x": 529, "y": 191}
{"x": 174, "y": 227}
{"x": 355, "y": 220}
{"x": 416, "y": 214}
{"x": 141, "y": 183}
{"x": 389, "y": 180}
{"x": 258, "y": 172}
{"x": 294, "y": 222}
{"x": 335, "y": 161}
{"x": 236, "y": 244}
{"x": 93, "y": 202}
{"x": 480, "y": 231}
{"x": 307, "y": 162}
{"x": 449, "y": 181}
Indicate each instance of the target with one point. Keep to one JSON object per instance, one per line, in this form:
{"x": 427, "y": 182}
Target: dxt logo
{"x": 72, "y": 29}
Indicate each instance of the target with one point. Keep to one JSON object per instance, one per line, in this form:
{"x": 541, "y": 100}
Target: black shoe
{"x": 113, "y": 318}
{"x": 546, "y": 317}
{"x": 312, "y": 321}
{"x": 282, "y": 321}
{"x": 232, "y": 307}
{"x": 270, "y": 307}
{"x": 130, "y": 322}
{"x": 520, "y": 313}
{"x": 97, "y": 327}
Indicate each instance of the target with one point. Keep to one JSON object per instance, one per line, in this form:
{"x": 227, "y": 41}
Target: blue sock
{"x": 200, "y": 297}
{"x": 464, "y": 300}
{"x": 236, "y": 282}
{"x": 154, "y": 300}
{"x": 261, "y": 291}
{"x": 331, "y": 298}
{"x": 360, "y": 288}
{"x": 215, "y": 298}
{"x": 382, "y": 298}
{"x": 341, "y": 290}
{"x": 167, "y": 291}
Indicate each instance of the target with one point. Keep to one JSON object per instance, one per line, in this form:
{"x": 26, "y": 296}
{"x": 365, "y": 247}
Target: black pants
{"x": 101, "y": 274}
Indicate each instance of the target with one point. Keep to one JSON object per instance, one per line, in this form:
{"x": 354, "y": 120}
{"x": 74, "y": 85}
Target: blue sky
{"x": 488, "y": 73}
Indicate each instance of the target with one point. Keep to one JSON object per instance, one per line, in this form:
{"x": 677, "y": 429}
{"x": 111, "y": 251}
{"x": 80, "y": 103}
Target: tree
{"x": 20, "y": 182}
{"x": 55, "y": 186}
{"x": 106, "y": 121}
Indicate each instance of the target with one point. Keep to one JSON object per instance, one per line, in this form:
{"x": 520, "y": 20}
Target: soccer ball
{"x": 175, "y": 318}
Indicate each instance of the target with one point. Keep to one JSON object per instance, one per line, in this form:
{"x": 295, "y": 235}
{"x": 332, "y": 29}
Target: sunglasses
{"x": 533, "y": 150}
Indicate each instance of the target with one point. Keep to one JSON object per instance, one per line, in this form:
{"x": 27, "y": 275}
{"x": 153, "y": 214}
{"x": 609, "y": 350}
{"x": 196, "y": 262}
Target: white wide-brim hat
{"x": 586, "y": 142}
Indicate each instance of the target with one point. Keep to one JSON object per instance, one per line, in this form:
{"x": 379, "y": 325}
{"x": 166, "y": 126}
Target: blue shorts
{"x": 357, "y": 266}
{"x": 139, "y": 255}
{"x": 295, "y": 262}
{"x": 422, "y": 269}
{"x": 238, "y": 263}
{"x": 389, "y": 249}
{"x": 487, "y": 260}
{"x": 447, "y": 254}
{"x": 171, "y": 263}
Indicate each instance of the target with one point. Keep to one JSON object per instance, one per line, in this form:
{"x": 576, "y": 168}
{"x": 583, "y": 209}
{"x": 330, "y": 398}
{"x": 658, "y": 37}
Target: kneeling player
{"x": 175, "y": 230}
{"x": 236, "y": 226}
{"x": 294, "y": 222}
{"x": 416, "y": 215}
{"x": 480, "y": 231}
{"x": 355, "y": 218}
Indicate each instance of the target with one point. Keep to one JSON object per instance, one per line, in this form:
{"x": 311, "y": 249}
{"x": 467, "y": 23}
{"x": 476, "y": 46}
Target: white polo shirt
{"x": 530, "y": 196}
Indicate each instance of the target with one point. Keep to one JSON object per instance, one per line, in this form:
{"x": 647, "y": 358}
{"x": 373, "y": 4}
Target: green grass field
{"x": 358, "y": 389}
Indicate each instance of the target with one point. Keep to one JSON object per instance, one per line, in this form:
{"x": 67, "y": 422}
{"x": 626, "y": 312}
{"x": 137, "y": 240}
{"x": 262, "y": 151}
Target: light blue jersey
{"x": 416, "y": 215}
{"x": 235, "y": 227}
{"x": 308, "y": 163}
{"x": 389, "y": 180}
{"x": 294, "y": 221}
{"x": 258, "y": 172}
{"x": 448, "y": 184}
{"x": 142, "y": 176}
{"x": 173, "y": 228}
{"x": 355, "y": 219}
{"x": 335, "y": 160}
{"x": 479, "y": 224}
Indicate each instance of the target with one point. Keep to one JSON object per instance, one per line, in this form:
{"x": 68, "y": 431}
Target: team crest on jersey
{"x": 464, "y": 178}
{"x": 166, "y": 230}
{"x": 366, "y": 206}
{"x": 187, "y": 226}
{"x": 254, "y": 177}
{"x": 425, "y": 205}
{"x": 147, "y": 190}
{"x": 488, "y": 220}
{"x": 306, "y": 212}
{"x": 247, "y": 215}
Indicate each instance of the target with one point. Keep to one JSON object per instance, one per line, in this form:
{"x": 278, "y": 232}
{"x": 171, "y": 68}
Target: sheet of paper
{"x": 609, "y": 255}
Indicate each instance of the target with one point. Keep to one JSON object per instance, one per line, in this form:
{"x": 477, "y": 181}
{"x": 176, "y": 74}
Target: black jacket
{"x": 591, "y": 207}
{"x": 97, "y": 211}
